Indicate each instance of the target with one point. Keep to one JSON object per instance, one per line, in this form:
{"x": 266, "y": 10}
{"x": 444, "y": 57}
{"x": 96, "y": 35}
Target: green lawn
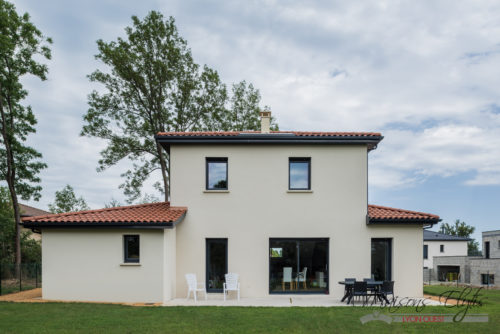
{"x": 11, "y": 289}
{"x": 101, "y": 318}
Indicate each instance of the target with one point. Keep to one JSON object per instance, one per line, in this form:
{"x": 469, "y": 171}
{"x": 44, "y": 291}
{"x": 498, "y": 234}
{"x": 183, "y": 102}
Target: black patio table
{"x": 370, "y": 284}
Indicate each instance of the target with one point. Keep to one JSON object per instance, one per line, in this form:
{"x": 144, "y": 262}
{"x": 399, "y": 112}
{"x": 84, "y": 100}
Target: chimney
{"x": 265, "y": 121}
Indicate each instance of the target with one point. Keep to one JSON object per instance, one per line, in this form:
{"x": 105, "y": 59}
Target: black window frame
{"x": 486, "y": 249}
{"x": 223, "y": 241}
{"x": 126, "y": 258}
{"x": 426, "y": 252}
{"x": 389, "y": 256}
{"x": 441, "y": 248}
{"x": 301, "y": 292}
{"x": 218, "y": 160}
{"x": 487, "y": 279}
{"x": 298, "y": 159}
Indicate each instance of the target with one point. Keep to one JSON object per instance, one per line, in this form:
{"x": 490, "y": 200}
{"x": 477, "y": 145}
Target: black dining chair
{"x": 348, "y": 287}
{"x": 372, "y": 289}
{"x": 359, "y": 289}
{"x": 387, "y": 288}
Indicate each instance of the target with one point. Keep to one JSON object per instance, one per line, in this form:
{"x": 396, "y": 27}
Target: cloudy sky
{"x": 425, "y": 74}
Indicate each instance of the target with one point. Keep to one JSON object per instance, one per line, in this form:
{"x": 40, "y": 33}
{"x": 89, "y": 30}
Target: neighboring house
{"x": 439, "y": 244}
{"x": 476, "y": 270}
{"x": 29, "y": 211}
{"x": 287, "y": 211}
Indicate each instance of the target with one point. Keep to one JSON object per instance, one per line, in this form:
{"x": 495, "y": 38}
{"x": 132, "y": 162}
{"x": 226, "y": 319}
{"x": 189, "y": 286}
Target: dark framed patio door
{"x": 381, "y": 254}
{"x": 298, "y": 265}
{"x": 216, "y": 264}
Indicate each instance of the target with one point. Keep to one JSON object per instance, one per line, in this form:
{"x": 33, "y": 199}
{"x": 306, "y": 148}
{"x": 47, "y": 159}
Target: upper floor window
{"x": 299, "y": 174}
{"x": 426, "y": 251}
{"x": 441, "y": 248}
{"x": 131, "y": 248}
{"x": 216, "y": 174}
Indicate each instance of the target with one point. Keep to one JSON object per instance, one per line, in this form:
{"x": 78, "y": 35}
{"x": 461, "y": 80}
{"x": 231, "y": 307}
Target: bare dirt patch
{"x": 35, "y": 296}
{"x": 25, "y": 296}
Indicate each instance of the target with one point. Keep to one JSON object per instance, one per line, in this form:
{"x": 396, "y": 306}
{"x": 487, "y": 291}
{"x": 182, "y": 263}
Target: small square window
{"x": 299, "y": 174}
{"x": 441, "y": 248}
{"x": 131, "y": 248}
{"x": 487, "y": 279}
{"x": 216, "y": 174}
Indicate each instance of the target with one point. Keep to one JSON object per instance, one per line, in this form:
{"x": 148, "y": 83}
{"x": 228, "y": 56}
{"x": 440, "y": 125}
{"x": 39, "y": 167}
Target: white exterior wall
{"x": 85, "y": 265}
{"x": 451, "y": 248}
{"x": 258, "y": 207}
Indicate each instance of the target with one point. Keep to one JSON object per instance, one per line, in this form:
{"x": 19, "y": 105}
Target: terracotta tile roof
{"x": 296, "y": 133}
{"x": 152, "y": 213}
{"x": 29, "y": 211}
{"x": 383, "y": 213}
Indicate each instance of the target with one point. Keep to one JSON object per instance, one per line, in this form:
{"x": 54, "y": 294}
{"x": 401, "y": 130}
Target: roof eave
{"x": 399, "y": 221}
{"x": 273, "y": 139}
{"x": 467, "y": 239}
{"x": 146, "y": 225}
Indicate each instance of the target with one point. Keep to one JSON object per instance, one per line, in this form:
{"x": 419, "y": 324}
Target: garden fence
{"x": 15, "y": 278}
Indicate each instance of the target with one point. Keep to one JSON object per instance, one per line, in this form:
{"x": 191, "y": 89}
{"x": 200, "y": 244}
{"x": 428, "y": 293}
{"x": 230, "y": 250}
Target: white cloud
{"x": 425, "y": 74}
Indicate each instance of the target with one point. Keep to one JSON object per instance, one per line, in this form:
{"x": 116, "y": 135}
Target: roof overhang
{"x": 267, "y": 139}
{"x": 38, "y": 225}
{"x": 391, "y": 221}
{"x": 453, "y": 240}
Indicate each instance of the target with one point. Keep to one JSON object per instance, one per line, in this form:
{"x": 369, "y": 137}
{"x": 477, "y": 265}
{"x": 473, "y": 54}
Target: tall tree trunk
{"x": 11, "y": 178}
{"x": 164, "y": 174}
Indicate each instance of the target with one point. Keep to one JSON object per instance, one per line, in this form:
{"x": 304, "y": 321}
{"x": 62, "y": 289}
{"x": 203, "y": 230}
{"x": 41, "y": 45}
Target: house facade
{"x": 287, "y": 211}
{"x": 475, "y": 270}
{"x": 439, "y": 244}
{"x": 29, "y": 211}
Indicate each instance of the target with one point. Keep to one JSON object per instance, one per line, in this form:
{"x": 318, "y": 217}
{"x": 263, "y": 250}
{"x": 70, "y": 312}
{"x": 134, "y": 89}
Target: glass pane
{"x": 216, "y": 263}
{"x": 381, "y": 259}
{"x": 299, "y": 175}
{"x": 132, "y": 248}
{"x": 217, "y": 175}
{"x": 298, "y": 265}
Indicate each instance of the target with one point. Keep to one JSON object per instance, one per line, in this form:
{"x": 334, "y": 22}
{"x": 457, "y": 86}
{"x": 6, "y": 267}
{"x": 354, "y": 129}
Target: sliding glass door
{"x": 298, "y": 265}
{"x": 216, "y": 266}
{"x": 381, "y": 259}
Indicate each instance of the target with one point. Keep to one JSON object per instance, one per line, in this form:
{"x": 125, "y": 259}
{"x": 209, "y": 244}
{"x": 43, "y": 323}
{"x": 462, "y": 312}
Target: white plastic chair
{"x": 231, "y": 284}
{"x": 287, "y": 277}
{"x": 301, "y": 277}
{"x": 194, "y": 286}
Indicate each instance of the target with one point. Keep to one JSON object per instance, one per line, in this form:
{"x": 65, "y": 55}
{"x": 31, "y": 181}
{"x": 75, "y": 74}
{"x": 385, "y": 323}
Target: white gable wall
{"x": 258, "y": 207}
{"x": 85, "y": 265}
{"x": 451, "y": 248}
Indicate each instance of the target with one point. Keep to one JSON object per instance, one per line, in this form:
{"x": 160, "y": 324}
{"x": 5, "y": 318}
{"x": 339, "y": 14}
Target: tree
{"x": 461, "y": 229}
{"x": 21, "y": 45}
{"x": 66, "y": 201}
{"x": 30, "y": 249}
{"x": 153, "y": 85}
{"x": 113, "y": 203}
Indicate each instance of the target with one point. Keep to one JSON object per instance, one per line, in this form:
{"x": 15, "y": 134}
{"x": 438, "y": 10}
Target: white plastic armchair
{"x": 231, "y": 284}
{"x": 194, "y": 286}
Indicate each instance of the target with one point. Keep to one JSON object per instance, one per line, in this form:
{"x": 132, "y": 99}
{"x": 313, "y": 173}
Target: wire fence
{"x": 15, "y": 278}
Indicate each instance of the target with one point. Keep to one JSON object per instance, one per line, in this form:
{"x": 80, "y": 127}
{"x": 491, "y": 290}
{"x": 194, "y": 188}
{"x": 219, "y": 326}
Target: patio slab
{"x": 274, "y": 301}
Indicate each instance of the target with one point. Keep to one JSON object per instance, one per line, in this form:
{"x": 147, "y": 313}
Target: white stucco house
{"x": 439, "y": 244}
{"x": 256, "y": 203}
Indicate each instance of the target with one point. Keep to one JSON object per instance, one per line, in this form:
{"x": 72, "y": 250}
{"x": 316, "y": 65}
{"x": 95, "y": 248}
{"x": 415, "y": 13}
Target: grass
{"x": 102, "y": 318}
{"x": 11, "y": 289}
